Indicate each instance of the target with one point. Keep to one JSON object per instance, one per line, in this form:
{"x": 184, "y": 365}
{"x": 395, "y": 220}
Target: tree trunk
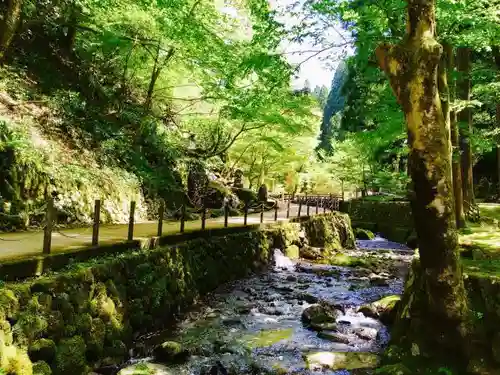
{"x": 447, "y": 69}
{"x": 465, "y": 120}
{"x": 10, "y": 25}
{"x": 496, "y": 55}
{"x": 434, "y": 311}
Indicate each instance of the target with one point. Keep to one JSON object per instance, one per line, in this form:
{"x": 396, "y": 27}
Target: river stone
{"x": 171, "y": 352}
{"x": 333, "y": 336}
{"x": 340, "y": 360}
{"x": 308, "y": 298}
{"x": 311, "y": 253}
{"x": 320, "y": 313}
{"x": 366, "y": 333}
{"x": 378, "y": 280}
{"x": 384, "y": 309}
{"x": 318, "y": 327}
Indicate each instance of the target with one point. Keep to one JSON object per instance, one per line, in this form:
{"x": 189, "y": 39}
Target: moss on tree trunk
{"x": 434, "y": 313}
{"x": 8, "y": 30}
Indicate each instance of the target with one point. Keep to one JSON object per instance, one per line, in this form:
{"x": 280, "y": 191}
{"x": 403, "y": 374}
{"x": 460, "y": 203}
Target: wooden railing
{"x": 307, "y": 205}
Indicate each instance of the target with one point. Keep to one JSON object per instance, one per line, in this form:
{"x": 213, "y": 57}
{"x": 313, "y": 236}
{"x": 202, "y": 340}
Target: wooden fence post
{"x": 183, "y": 217}
{"x": 97, "y": 220}
{"x": 262, "y": 213}
{"x": 226, "y": 214}
{"x": 307, "y": 204}
{"x": 131, "y": 221}
{"x": 331, "y": 203}
{"x": 161, "y": 211}
{"x": 49, "y": 218}
{"x": 317, "y": 205}
{"x": 245, "y": 214}
{"x": 203, "y": 216}
{"x": 323, "y": 204}
{"x": 300, "y": 207}
{"x": 276, "y": 212}
{"x": 288, "y": 208}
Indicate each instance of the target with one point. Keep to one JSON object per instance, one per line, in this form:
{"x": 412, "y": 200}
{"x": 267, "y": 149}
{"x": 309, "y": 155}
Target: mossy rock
{"x": 171, "y": 352}
{"x": 363, "y": 234}
{"x": 245, "y": 195}
{"x": 95, "y": 338}
{"x": 9, "y": 304}
{"x": 41, "y": 368}
{"x": 292, "y": 252}
{"x": 384, "y": 309}
{"x": 319, "y": 314}
{"x": 42, "y": 350}
{"x": 331, "y": 231}
{"x": 341, "y": 360}
{"x": 70, "y": 356}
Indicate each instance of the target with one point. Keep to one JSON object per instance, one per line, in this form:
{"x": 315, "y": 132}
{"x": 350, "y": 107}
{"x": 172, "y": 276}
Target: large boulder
{"x": 217, "y": 193}
{"x": 383, "y": 309}
{"x": 197, "y": 183}
{"x": 311, "y": 253}
{"x": 318, "y": 314}
{"x": 171, "y": 352}
{"x": 332, "y": 231}
{"x": 340, "y": 360}
{"x": 246, "y": 196}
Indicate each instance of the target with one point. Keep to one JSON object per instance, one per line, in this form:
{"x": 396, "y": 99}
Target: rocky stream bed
{"x": 297, "y": 318}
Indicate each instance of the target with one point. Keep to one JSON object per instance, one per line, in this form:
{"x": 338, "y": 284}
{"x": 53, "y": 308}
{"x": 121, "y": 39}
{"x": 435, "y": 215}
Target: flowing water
{"x": 254, "y": 325}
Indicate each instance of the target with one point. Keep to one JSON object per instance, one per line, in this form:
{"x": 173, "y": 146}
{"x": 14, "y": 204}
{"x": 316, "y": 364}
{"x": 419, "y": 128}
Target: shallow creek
{"x": 254, "y": 325}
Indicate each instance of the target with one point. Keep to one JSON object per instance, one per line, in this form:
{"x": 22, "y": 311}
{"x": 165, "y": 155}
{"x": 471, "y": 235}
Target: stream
{"x": 255, "y": 325}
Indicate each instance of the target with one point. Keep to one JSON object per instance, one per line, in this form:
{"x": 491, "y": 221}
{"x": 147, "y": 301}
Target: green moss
{"x": 395, "y": 369}
{"x": 363, "y": 234}
{"x": 70, "y": 356}
{"x": 292, "y": 252}
{"x": 42, "y": 350}
{"x": 266, "y": 338}
{"x": 31, "y": 323}
{"x": 9, "y": 305}
{"x": 344, "y": 260}
{"x": 41, "y": 368}
{"x": 13, "y": 360}
{"x": 341, "y": 360}
{"x": 482, "y": 268}
{"x": 332, "y": 231}
{"x": 171, "y": 352}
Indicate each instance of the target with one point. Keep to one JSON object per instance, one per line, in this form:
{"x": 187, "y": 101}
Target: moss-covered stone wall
{"x": 393, "y": 219}
{"x": 88, "y": 313}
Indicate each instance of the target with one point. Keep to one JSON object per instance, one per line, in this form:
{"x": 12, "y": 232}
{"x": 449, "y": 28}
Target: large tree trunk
{"x": 465, "y": 119}
{"x": 8, "y": 30}
{"x": 447, "y": 67}
{"x": 434, "y": 311}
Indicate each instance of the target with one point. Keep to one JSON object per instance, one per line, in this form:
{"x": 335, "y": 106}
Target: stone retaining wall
{"x": 392, "y": 219}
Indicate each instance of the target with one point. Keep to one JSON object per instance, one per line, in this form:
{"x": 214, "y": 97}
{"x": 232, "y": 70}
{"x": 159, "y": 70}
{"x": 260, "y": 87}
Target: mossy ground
{"x": 483, "y": 239}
